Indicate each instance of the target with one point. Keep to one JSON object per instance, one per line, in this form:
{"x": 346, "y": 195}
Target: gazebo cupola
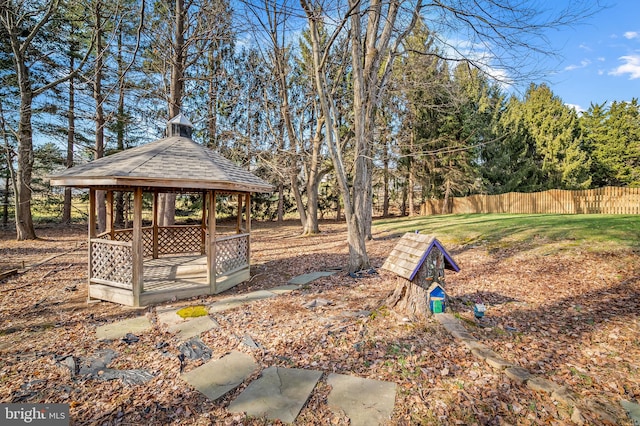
{"x": 140, "y": 264}
{"x": 179, "y": 126}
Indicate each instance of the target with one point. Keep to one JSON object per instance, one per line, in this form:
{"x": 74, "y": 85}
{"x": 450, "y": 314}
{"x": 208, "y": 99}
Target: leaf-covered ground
{"x": 568, "y": 315}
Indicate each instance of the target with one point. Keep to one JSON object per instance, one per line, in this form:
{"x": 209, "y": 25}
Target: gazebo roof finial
{"x": 182, "y": 120}
{"x": 179, "y": 126}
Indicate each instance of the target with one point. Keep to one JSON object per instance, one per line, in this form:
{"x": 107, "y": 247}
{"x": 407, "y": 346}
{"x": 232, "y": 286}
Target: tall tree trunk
{"x": 120, "y": 129}
{"x": 167, "y": 201}
{"x": 311, "y": 226}
{"x": 9, "y": 177}
{"x": 385, "y": 177}
{"x": 338, "y": 204}
{"x": 71, "y": 135}
{"x": 403, "y": 205}
{"x": 313, "y": 183}
{"x": 212, "y": 100}
{"x": 410, "y": 187}
{"x": 297, "y": 195}
{"x": 446, "y": 202}
{"x": 5, "y": 201}
{"x": 24, "y": 220}
{"x": 280, "y": 212}
{"x": 412, "y": 179}
{"x": 357, "y": 249}
{"x": 100, "y": 120}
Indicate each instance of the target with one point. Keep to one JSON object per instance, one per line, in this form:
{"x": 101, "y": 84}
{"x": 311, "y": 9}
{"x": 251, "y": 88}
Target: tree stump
{"x": 409, "y": 299}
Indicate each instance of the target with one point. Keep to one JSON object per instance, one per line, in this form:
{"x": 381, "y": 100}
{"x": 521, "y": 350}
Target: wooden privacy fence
{"x": 608, "y": 200}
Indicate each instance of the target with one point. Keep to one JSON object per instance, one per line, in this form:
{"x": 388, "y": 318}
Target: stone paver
{"x": 474, "y": 344}
{"x": 215, "y": 378}
{"x": 497, "y": 362}
{"x": 453, "y": 326}
{"x": 539, "y": 384}
{"x": 235, "y": 301}
{"x": 119, "y": 329}
{"x": 518, "y": 374}
{"x": 283, "y": 289}
{"x": 364, "y": 401}
{"x": 633, "y": 410}
{"x": 482, "y": 353}
{"x": 168, "y": 316}
{"x": 565, "y": 396}
{"x": 307, "y": 278}
{"x": 607, "y": 412}
{"x": 280, "y": 393}
{"x": 193, "y": 327}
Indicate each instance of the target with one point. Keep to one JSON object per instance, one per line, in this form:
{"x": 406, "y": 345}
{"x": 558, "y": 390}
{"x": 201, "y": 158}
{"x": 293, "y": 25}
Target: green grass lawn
{"x": 595, "y": 232}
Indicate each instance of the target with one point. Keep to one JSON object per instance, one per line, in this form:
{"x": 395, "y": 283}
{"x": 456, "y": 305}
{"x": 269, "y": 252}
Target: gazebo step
{"x": 151, "y": 297}
{"x": 225, "y": 282}
{"x": 111, "y": 294}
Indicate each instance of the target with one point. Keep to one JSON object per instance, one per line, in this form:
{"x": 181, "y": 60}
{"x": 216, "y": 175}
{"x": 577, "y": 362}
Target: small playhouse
{"x": 419, "y": 262}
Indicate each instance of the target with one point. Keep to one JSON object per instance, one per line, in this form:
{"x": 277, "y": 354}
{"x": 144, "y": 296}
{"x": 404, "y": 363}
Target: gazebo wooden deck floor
{"x": 175, "y": 272}
{"x": 178, "y": 276}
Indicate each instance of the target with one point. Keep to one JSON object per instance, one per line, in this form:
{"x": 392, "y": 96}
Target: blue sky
{"x": 599, "y": 59}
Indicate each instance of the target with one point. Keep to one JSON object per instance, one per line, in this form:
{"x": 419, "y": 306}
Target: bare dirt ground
{"x": 570, "y": 316}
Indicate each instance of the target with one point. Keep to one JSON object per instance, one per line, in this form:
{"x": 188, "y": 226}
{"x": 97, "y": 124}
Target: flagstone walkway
{"x": 280, "y": 393}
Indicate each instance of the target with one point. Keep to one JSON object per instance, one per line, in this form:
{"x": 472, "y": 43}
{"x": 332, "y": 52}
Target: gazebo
{"x": 146, "y": 263}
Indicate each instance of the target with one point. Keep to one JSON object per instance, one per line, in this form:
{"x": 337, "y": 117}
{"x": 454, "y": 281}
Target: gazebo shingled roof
{"x": 173, "y": 162}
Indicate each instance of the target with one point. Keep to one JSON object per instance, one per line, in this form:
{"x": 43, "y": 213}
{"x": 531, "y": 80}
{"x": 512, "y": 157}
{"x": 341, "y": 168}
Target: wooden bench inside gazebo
{"x": 145, "y": 263}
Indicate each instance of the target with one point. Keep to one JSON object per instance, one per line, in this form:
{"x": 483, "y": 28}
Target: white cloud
{"x": 631, "y": 67}
{"x": 583, "y": 64}
{"x": 578, "y": 108}
{"x": 457, "y": 49}
{"x": 630, "y": 35}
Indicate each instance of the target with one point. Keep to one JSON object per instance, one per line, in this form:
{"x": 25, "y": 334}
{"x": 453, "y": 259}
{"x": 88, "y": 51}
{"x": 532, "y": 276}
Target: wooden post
{"x": 248, "y": 230}
{"x": 109, "y": 218}
{"x": 203, "y": 224}
{"x": 211, "y": 255}
{"x": 91, "y": 234}
{"x": 137, "y": 257}
{"x": 155, "y": 225}
{"x": 239, "y": 218}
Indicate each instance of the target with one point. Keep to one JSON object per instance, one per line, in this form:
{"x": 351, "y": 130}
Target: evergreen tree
{"x": 28, "y": 27}
{"x": 553, "y": 127}
{"x": 613, "y": 137}
{"x": 511, "y": 163}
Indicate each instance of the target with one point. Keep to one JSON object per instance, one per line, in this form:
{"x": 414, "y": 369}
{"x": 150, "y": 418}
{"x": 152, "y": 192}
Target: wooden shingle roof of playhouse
{"x": 409, "y": 254}
{"x": 175, "y": 162}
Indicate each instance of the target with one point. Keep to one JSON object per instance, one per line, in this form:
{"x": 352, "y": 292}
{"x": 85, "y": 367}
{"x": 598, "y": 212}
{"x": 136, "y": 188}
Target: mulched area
{"x": 569, "y": 315}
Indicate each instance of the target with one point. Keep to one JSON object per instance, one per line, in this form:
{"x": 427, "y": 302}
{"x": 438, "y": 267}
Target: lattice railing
{"x": 171, "y": 239}
{"x": 123, "y": 235}
{"x": 232, "y": 253}
{"x": 147, "y": 238}
{"x": 180, "y": 239}
{"x": 111, "y": 262}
